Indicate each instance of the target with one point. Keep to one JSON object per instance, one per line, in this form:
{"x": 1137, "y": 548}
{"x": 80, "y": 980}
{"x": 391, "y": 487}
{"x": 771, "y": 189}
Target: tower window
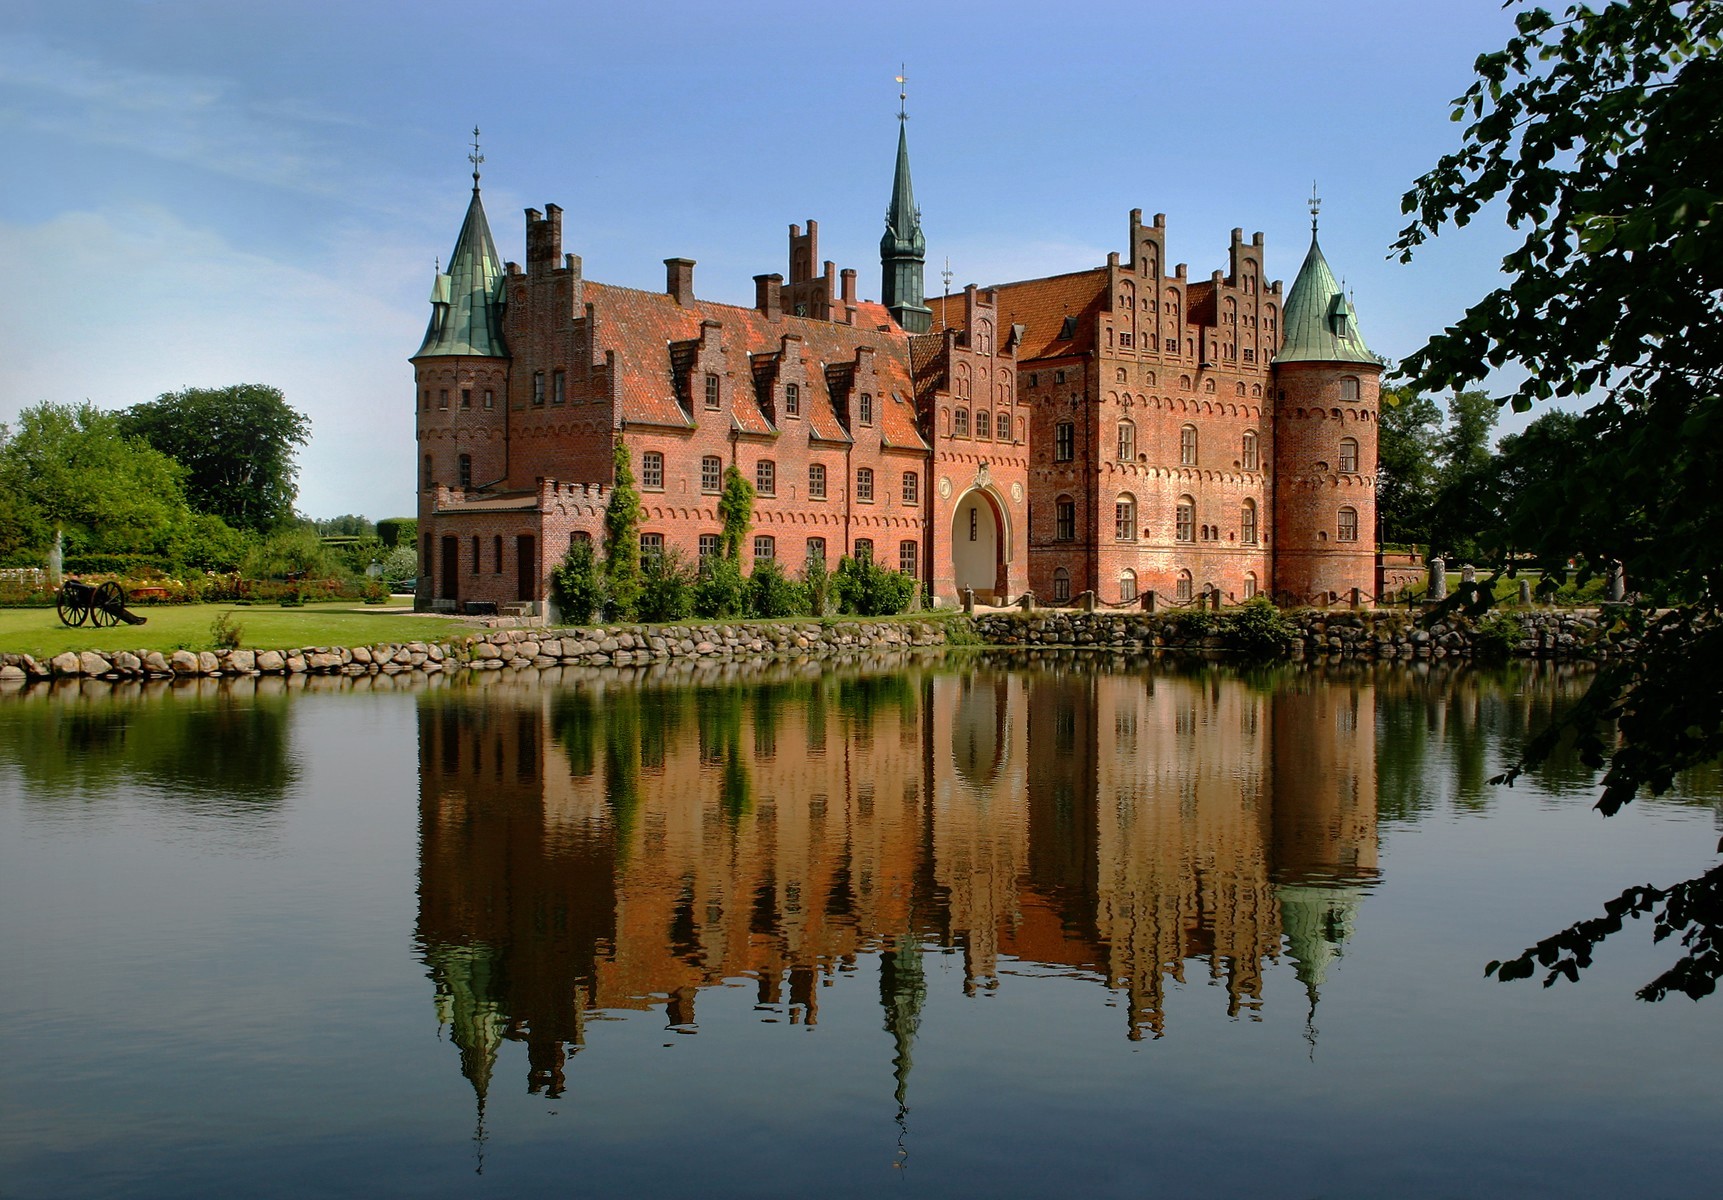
{"x": 464, "y": 468}
{"x": 490, "y": 398}
{"x": 1064, "y": 519}
{"x": 1247, "y": 523}
{"x": 983, "y": 423}
{"x": 538, "y": 387}
{"x": 1348, "y": 525}
{"x": 1064, "y": 441}
{"x": 1127, "y": 441}
{"x": 1125, "y": 517}
{"x": 429, "y": 474}
{"x": 1348, "y": 455}
{"x": 1185, "y": 519}
{"x": 1188, "y": 446}
{"x": 1061, "y": 585}
{"x": 1349, "y": 389}
{"x": 1249, "y": 458}
{"x": 960, "y": 423}
{"x": 558, "y": 388}
{"x": 466, "y": 397}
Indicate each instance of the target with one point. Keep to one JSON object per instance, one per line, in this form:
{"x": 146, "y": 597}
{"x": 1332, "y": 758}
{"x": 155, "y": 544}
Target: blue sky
{"x": 201, "y": 194}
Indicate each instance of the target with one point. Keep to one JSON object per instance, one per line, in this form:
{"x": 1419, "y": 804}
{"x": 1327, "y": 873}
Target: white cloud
{"x": 118, "y": 308}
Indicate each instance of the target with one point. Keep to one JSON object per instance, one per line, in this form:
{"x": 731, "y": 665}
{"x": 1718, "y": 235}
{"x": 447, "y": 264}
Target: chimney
{"x": 769, "y": 295}
{"x": 543, "y": 238}
{"x": 679, "y": 279}
{"x": 849, "y": 285}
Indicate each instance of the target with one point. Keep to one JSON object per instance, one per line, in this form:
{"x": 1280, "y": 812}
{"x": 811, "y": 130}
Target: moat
{"x": 986, "y": 924}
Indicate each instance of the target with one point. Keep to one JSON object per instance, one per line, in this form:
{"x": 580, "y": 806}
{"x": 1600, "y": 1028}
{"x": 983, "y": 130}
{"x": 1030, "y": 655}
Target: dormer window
{"x": 1068, "y": 330}
{"x": 866, "y": 408}
{"x": 711, "y": 390}
{"x": 792, "y": 400}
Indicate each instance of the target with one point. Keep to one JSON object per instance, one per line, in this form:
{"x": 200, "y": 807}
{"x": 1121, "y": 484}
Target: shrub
{"x": 224, "y": 632}
{"x": 576, "y": 587}
{"x": 1192, "y": 625}
{"x": 771, "y": 593}
{"x": 817, "y": 587}
{"x": 666, "y": 588}
{"x": 398, "y": 531}
{"x": 865, "y": 588}
{"x": 1496, "y": 636}
{"x": 1258, "y": 629}
{"x": 720, "y": 591}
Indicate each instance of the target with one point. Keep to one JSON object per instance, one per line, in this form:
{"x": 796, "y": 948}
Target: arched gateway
{"x": 980, "y": 538}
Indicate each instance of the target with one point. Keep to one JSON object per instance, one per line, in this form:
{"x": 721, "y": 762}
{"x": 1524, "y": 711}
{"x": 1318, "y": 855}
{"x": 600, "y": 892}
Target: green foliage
{"x": 205, "y": 542}
{"x": 720, "y": 591}
{"x": 1496, "y": 636}
{"x": 347, "y": 525}
{"x": 1192, "y": 624}
{"x": 293, "y": 551}
{"x": 224, "y": 632}
{"x": 736, "y": 511}
{"x": 666, "y": 588}
{"x": 402, "y": 563}
{"x": 817, "y": 587}
{"x": 73, "y": 468}
{"x": 1466, "y": 500}
{"x": 1258, "y": 629}
{"x": 1597, "y": 135}
{"x": 398, "y": 531}
{"x": 576, "y": 585}
{"x": 771, "y": 593}
{"x": 1406, "y": 436}
{"x": 866, "y": 589}
{"x": 236, "y": 445}
{"x": 622, "y": 540}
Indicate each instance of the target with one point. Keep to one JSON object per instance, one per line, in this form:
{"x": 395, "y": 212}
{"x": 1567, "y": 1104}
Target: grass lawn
{"x": 37, "y": 631}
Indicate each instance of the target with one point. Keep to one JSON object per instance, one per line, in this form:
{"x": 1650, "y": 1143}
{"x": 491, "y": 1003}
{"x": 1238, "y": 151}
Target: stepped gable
{"x": 1041, "y": 306}
{"x": 639, "y": 327}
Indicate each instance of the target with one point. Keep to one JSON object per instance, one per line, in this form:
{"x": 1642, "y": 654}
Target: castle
{"x": 1118, "y": 430}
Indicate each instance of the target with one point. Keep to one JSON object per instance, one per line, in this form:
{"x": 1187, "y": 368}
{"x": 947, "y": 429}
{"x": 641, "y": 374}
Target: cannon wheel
{"x": 71, "y": 612}
{"x": 106, "y": 604}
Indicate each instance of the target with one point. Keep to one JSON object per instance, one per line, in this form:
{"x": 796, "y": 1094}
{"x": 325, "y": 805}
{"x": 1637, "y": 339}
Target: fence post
{"x": 968, "y": 602}
{"x": 1357, "y": 599}
{"x": 1026, "y": 602}
{"x": 1525, "y": 593}
{"x": 1149, "y": 601}
{"x": 1616, "y": 588}
{"x": 1086, "y": 601}
{"x": 1438, "y": 578}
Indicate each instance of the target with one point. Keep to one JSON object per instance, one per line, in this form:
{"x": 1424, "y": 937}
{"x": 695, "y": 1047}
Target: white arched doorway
{"x": 977, "y": 537}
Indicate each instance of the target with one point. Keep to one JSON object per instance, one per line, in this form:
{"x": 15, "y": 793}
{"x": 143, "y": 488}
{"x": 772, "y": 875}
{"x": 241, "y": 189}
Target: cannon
{"x": 102, "y": 605}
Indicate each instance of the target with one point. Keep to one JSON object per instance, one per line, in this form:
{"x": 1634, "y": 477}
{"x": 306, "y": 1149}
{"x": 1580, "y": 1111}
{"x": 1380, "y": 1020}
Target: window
{"x": 1247, "y": 523}
{"x": 864, "y": 484}
{"x": 1188, "y": 446}
{"x": 443, "y": 398}
{"x": 1349, "y": 524}
{"x": 466, "y": 397}
{"x": 911, "y": 488}
{"x": 765, "y": 547}
{"x": 708, "y": 545}
{"x": 1348, "y": 455}
{"x": 1127, "y": 441}
{"x": 1058, "y": 377}
{"x": 974, "y": 523}
{"x": 711, "y": 391}
{"x": 558, "y": 388}
{"x": 579, "y": 535}
{"x": 1127, "y": 587}
{"x": 652, "y": 471}
{"x": 1002, "y": 427}
{"x": 792, "y": 400}
{"x": 427, "y": 399}
{"x": 817, "y": 481}
{"x": 497, "y": 551}
{"x": 1125, "y": 517}
{"x": 766, "y": 477}
{"x": 464, "y": 468}
{"x": 475, "y": 554}
{"x": 983, "y": 423}
{"x": 1061, "y": 585}
{"x": 1249, "y": 584}
{"x": 1186, "y": 519}
{"x": 1249, "y": 457}
{"x": 960, "y": 423}
{"x": 864, "y": 550}
{"x": 1064, "y": 441}
{"x": 429, "y": 474}
{"x": 490, "y": 398}
{"x": 908, "y": 554}
{"x": 651, "y": 545}
{"x": 816, "y": 551}
{"x": 1349, "y": 389}
{"x": 1182, "y": 589}
{"x": 711, "y": 473}
{"x": 866, "y": 408}
{"x": 1064, "y": 519}
{"x": 538, "y": 387}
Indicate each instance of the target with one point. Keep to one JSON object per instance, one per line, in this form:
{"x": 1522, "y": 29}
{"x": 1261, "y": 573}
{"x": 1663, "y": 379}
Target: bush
{"x": 1496, "y": 636}
{"x": 865, "y": 588}
{"x": 817, "y": 587}
{"x": 1192, "y": 625}
{"x": 296, "y": 551}
{"x": 666, "y": 588}
{"x": 224, "y": 632}
{"x": 398, "y": 531}
{"x": 1258, "y": 629}
{"x": 576, "y": 588}
{"x": 720, "y": 592}
{"x": 771, "y": 593}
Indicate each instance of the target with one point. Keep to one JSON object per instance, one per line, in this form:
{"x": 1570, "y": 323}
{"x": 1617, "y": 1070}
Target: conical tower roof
{"x": 902, "y": 219}
{"x": 466, "y": 299}
{"x": 1319, "y": 322}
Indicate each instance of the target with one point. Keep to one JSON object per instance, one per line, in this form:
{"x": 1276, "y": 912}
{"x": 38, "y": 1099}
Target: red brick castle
{"x": 1118, "y": 429}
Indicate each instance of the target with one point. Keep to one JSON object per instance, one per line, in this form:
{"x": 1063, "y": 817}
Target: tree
{"x": 622, "y": 539}
{"x": 1597, "y": 134}
{"x": 236, "y": 445}
{"x": 70, "y": 467}
{"x": 1406, "y": 464}
{"x": 1465, "y": 500}
{"x": 736, "y": 511}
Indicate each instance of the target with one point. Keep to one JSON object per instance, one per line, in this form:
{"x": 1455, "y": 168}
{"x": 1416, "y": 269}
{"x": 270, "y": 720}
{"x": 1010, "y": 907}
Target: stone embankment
{"x": 1371, "y": 634}
{"x": 496, "y": 650}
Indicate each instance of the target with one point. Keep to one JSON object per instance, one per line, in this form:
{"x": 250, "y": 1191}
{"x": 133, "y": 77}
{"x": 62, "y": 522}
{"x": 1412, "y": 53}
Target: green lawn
{"x": 37, "y": 631}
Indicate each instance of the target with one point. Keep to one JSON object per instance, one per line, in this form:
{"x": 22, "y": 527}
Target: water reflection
{"x": 617, "y": 847}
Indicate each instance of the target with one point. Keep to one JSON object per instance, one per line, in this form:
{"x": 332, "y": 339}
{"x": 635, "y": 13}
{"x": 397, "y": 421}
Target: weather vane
{"x": 475, "y": 158}
{"x": 1315, "y": 205}
{"x": 903, "y": 92}
{"x": 946, "y": 274}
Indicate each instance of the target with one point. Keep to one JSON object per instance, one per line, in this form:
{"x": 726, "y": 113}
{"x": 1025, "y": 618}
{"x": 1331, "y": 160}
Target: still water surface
{"x": 998, "y": 929}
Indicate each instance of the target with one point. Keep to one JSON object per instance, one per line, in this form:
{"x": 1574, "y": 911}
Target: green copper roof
{"x": 1320, "y": 324}
{"x": 902, "y": 220}
{"x": 466, "y": 300}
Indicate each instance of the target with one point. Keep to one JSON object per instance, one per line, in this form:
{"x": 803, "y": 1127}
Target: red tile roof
{"x": 1041, "y": 306}
{"x": 640, "y": 326}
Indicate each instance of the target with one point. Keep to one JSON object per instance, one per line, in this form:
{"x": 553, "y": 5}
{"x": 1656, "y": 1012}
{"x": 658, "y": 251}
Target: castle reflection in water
{"x": 612, "y": 846}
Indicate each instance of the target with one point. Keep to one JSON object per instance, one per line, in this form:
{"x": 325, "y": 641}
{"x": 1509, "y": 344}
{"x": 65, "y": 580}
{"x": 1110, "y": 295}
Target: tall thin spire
{"x": 466, "y": 301}
{"x": 903, "y": 248}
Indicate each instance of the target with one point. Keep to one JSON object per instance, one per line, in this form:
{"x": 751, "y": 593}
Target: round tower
{"x": 460, "y": 397}
{"x": 1326, "y": 400}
